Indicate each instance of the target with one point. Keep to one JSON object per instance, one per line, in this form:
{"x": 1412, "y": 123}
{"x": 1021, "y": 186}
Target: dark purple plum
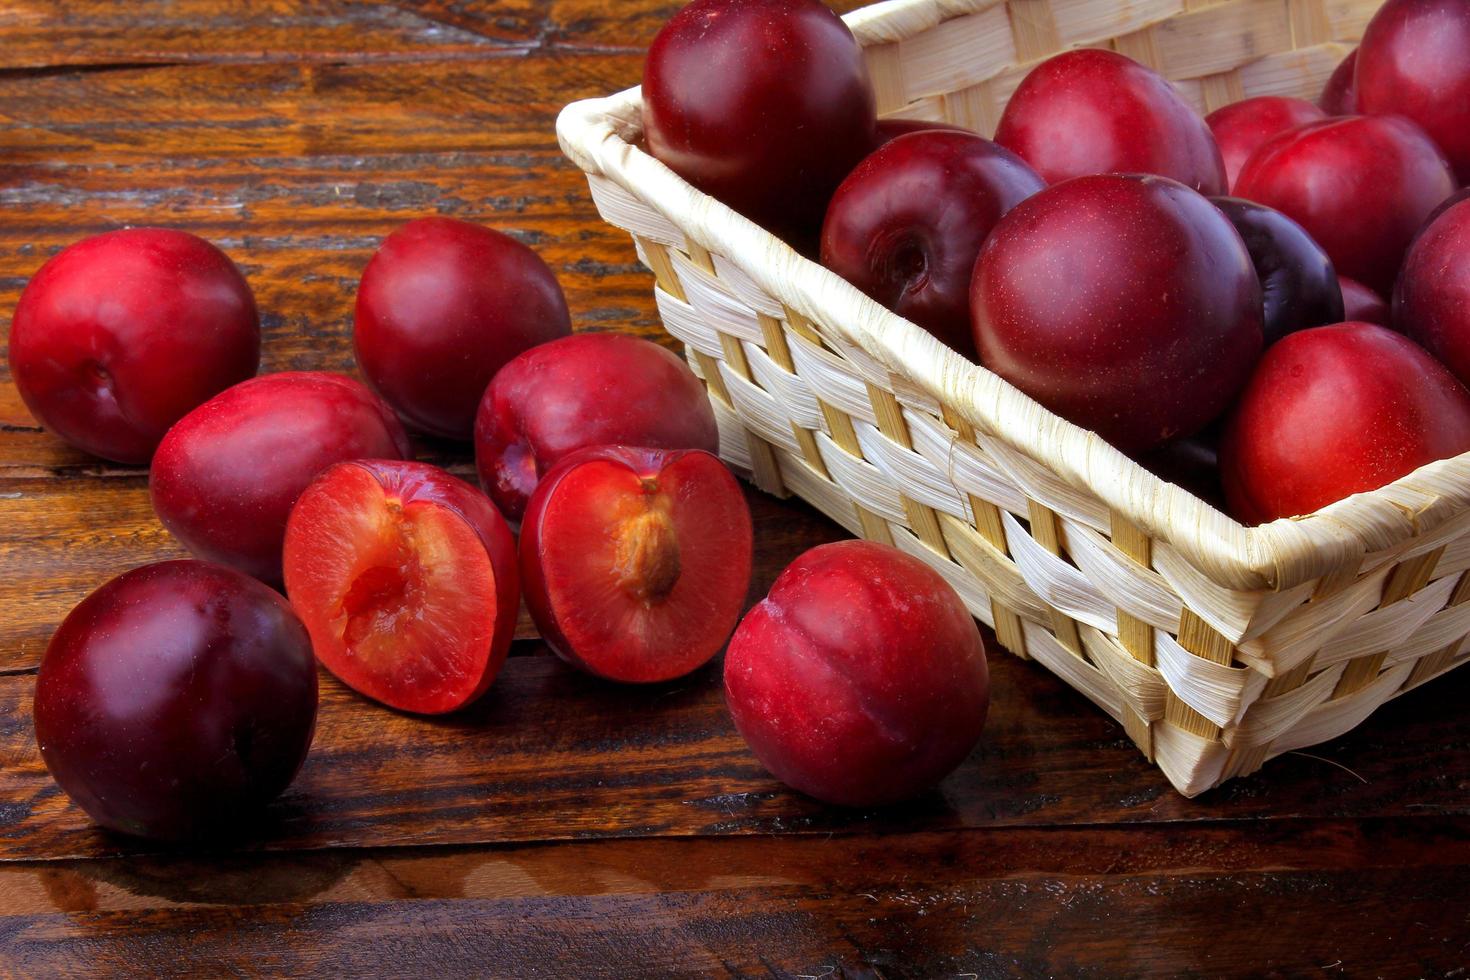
{"x": 1298, "y": 283}
{"x": 177, "y": 700}
{"x": 906, "y": 225}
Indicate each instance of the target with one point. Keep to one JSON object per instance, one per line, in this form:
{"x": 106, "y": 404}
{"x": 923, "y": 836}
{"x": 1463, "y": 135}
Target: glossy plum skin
{"x": 1340, "y": 94}
{"x": 636, "y": 562}
{"x": 1431, "y": 303}
{"x": 442, "y": 305}
{"x": 406, "y": 578}
{"x": 1361, "y": 186}
{"x": 889, "y": 130}
{"x": 1298, "y": 283}
{"x": 225, "y": 477}
{"x": 1243, "y": 126}
{"x": 763, "y": 104}
{"x": 1096, "y": 112}
{"x": 1415, "y": 62}
{"x": 117, "y": 337}
{"x": 1361, "y": 304}
{"x": 176, "y": 700}
{"x": 585, "y": 390}
{"x": 861, "y": 678}
{"x": 1460, "y": 195}
{"x": 1334, "y": 411}
{"x": 906, "y": 225}
{"x": 1142, "y": 342}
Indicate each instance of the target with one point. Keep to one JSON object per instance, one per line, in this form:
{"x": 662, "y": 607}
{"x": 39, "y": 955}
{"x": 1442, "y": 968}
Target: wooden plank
{"x": 551, "y": 754}
{"x": 98, "y": 33}
{"x": 270, "y": 110}
{"x": 299, "y": 182}
{"x": 637, "y": 866}
{"x": 1117, "y": 902}
{"x": 62, "y": 539}
{"x": 578, "y": 23}
{"x": 66, "y": 536}
{"x": 303, "y": 253}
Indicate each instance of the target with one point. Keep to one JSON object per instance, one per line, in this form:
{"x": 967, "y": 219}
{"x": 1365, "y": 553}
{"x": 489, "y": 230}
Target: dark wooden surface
{"x": 563, "y": 827}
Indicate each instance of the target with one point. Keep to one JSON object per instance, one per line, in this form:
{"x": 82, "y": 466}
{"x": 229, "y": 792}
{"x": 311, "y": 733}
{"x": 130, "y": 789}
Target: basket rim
{"x": 600, "y": 135}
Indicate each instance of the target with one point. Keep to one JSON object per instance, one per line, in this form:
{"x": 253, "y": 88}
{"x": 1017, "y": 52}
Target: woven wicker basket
{"x": 1216, "y": 646}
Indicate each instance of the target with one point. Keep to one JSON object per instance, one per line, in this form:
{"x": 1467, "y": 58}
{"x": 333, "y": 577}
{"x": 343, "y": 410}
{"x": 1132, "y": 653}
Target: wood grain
{"x": 844, "y": 863}
{"x": 99, "y": 33}
{"x": 298, "y": 204}
{"x": 1129, "y": 901}
{"x": 565, "y": 826}
{"x": 57, "y": 550}
{"x": 551, "y": 754}
{"x": 273, "y": 110}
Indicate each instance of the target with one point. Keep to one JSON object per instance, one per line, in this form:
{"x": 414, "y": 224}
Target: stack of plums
{"x": 181, "y": 696}
{"x": 1272, "y": 302}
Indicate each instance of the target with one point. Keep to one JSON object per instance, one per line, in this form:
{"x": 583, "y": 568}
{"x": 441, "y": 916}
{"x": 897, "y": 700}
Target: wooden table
{"x": 565, "y": 827}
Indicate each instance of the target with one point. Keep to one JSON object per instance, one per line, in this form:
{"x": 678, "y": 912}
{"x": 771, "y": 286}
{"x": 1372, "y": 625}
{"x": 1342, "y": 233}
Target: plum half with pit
{"x": 589, "y": 389}
{"x": 636, "y": 562}
{"x": 177, "y": 700}
{"x": 406, "y": 579}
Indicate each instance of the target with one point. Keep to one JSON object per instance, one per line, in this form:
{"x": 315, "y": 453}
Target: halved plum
{"x": 636, "y": 562}
{"x": 406, "y": 579}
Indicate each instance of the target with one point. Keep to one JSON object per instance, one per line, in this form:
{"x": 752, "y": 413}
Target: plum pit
{"x": 646, "y": 558}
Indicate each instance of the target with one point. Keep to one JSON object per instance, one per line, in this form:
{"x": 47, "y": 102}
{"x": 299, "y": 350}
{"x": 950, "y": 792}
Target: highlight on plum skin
{"x": 1334, "y": 411}
{"x": 442, "y": 305}
{"x": 120, "y": 335}
{"x": 1361, "y": 186}
{"x": 1088, "y": 111}
{"x": 1175, "y": 298}
{"x": 636, "y": 562}
{"x": 225, "y": 477}
{"x": 907, "y": 223}
{"x": 1241, "y": 127}
{"x": 861, "y": 679}
{"x": 1362, "y": 305}
{"x": 763, "y": 104}
{"x": 589, "y": 389}
{"x": 176, "y": 701}
{"x": 406, "y": 579}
